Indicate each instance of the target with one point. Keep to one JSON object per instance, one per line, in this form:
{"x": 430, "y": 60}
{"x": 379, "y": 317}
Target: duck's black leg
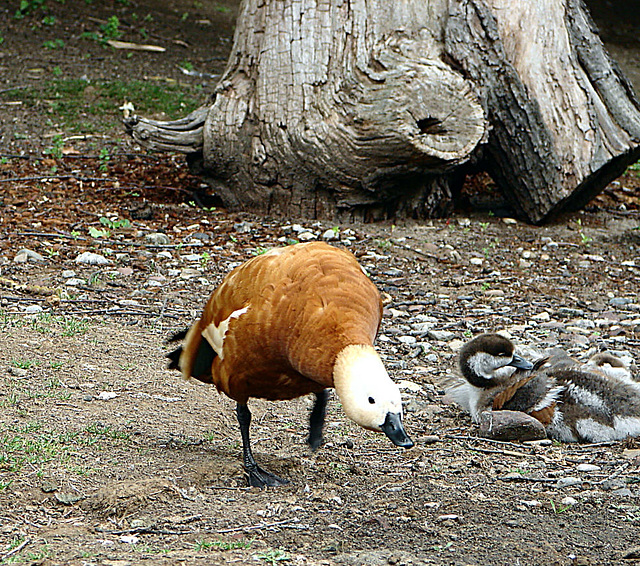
{"x": 256, "y": 476}
{"x": 316, "y": 419}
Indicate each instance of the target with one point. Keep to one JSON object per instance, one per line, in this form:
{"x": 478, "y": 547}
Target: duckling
{"x": 293, "y": 321}
{"x": 574, "y": 402}
{"x": 612, "y": 366}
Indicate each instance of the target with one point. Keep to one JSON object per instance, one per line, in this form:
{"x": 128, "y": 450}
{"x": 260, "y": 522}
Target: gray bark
{"x": 370, "y": 108}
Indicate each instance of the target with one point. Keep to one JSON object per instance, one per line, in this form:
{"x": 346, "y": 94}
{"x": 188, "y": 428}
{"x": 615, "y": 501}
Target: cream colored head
{"x": 367, "y": 394}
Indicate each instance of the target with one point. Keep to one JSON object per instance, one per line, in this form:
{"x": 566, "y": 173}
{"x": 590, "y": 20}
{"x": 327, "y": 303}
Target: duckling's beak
{"x": 393, "y": 428}
{"x": 520, "y": 362}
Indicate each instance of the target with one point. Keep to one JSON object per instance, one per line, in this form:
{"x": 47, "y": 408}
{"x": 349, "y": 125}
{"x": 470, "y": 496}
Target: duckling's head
{"x": 610, "y": 365}
{"x": 367, "y": 394}
{"x": 488, "y": 358}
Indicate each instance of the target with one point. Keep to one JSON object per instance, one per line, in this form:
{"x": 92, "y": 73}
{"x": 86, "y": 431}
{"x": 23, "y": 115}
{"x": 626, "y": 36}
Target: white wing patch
{"x": 215, "y": 334}
{"x": 551, "y": 397}
{"x": 594, "y": 431}
{"x": 586, "y": 398}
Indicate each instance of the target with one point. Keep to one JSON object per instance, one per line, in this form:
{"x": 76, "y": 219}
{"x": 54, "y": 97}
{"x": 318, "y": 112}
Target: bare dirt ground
{"x": 108, "y": 458}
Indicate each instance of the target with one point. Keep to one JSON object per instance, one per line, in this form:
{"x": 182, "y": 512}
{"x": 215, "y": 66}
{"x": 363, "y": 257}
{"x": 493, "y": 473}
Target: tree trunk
{"x": 370, "y": 108}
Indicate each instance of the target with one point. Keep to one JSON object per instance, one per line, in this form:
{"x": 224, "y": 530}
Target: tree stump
{"x": 369, "y": 109}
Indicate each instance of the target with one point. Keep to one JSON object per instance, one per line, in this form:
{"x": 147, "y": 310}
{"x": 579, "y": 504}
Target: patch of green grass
{"x": 27, "y": 7}
{"x": 55, "y": 150}
{"x": 105, "y": 431}
{"x": 22, "y": 364}
{"x": 109, "y": 30}
{"x": 560, "y": 508}
{"x": 81, "y": 106}
{"x": 53, "y": 44}
{"x": 35, "y": 446}
{"x": 222, "y": 545}
{"x": 273, "y": 556}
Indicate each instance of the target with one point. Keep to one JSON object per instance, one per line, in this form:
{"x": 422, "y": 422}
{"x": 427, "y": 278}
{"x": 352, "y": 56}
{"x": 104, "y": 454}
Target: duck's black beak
{"x": 520, "y": 362}
{"x": 393, "y": 428}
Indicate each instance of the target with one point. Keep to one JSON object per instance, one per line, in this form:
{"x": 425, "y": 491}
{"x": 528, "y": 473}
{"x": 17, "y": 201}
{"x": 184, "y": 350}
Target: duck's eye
{"x": 372, "y": 400}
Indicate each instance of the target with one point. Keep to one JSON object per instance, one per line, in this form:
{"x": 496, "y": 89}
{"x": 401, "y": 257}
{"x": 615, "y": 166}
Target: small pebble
{"x": 68, "y": 273}
{"x": 18, "y": 372}
{"x": 157, "y": 239}
{"x": 25, "y": 255}
{"x": 331, "y": 234}
{"x": 571, "y": 501}
{"x": 33, "y": 309}
{"x": 91, "y": 258}
{"x": 106, "y": 395}
{"x": 568, "y": 482}
{"x": 588, "y": 468}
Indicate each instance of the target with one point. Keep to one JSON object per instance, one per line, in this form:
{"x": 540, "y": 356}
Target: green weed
{"x": 104, "y": 159}
{"x": 273, "y": 556}
{"x": 55, "y": 150}
{"x": 222, "y": 545}
{"x": 81, "y": 106}
{"x": 22, "y": 364}
{"x": 53, "y": 44}
{"x": 27, "y": 7}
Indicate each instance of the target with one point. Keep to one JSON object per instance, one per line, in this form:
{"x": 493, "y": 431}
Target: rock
{"x": 33, "y": 309}
{"x": 622, "y": 492}
{"x": 393, "y": 272}
{"x": 570, "y": 501}
{"x": 543, "y": 316}
{"x": 68, "y": 274}
{"x": 422, "y": 327}
{"x": 510, "y": 426}
{"x": 476, "y": 261}
{"x": 619, "y": 301}
{"x": 158, "y": 239}
{"x": 91, "y": 258}
{"x": 442, "y": 335}
{"x": 49, "y": 486}
{"x": 615, "y": 483}
{"x": 631, "y": 453}
{"x": 25, "y": 255}
{"x": 509, "y": 221}
{"x": 68, "y": 498}
{"x": 106, "y": 395}
{"x": 331, "y": 234}
{"x": 588, "y": 468}
{"x": 409, "y": 386}
{"x": 189, "y": 273}
{"x": 306, "y": 236}
{"x": 18, "y": 372}
{"x": 74, "y": 282}
{"x": 568, "y": 482}
{"x": 407, "y": 339}
{"x": 632, "y": 553}
{"x": 200, "y": 236}
{"x": 191, "y": 257}
{"x": 164, "y": 254}
{"x": 243, "y": 227}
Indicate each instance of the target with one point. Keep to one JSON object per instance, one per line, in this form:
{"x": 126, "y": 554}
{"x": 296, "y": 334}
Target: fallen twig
{"x": 15, "y": 550}
{"x": 259, "y": 526}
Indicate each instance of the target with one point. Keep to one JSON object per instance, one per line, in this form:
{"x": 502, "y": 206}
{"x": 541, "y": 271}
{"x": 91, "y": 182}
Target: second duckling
{"x": 574, "y": 402}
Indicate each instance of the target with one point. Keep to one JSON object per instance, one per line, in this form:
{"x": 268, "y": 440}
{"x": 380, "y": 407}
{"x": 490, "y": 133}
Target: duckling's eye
{"x": 372, "y": 400}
